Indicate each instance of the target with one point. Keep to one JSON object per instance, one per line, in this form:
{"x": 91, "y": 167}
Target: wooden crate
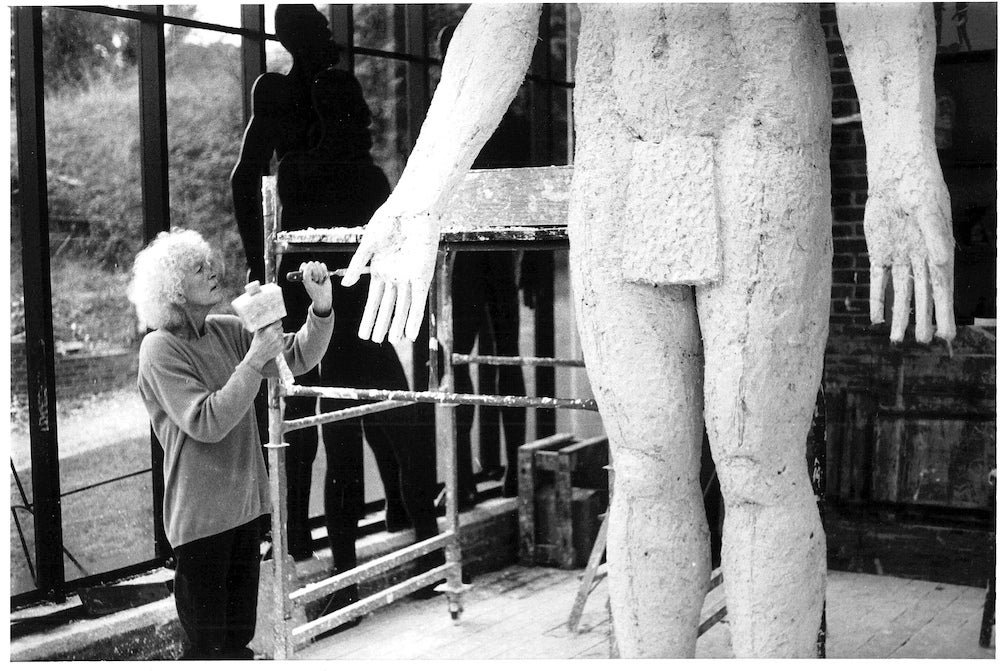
{"x": 548, "y": 472}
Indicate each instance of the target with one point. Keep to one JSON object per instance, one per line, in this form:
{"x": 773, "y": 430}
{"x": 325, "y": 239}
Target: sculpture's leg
{"x": 764, "y": 329}
{"x": 643, "y": 354}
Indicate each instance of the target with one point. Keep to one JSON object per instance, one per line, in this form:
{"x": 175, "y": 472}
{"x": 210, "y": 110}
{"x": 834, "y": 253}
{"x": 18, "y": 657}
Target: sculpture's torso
{"x": 693, "y": 69}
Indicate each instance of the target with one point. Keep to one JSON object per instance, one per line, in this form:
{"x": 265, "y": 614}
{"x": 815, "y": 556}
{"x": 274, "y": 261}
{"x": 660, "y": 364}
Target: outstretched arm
{"x": 487, "y": 60}
{"x": 891, "y": 51}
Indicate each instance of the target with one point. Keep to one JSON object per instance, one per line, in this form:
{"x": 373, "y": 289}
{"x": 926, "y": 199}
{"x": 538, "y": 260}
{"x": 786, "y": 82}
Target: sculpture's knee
{"x": 763, "y": 480}
{"x": 653, "y": 473}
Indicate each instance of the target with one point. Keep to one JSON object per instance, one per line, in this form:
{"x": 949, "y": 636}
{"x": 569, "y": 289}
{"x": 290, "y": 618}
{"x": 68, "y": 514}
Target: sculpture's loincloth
{"x": 671, "y": 220}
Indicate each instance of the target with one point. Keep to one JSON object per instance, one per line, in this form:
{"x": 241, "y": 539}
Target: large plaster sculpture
{"x": 700, "y": 247}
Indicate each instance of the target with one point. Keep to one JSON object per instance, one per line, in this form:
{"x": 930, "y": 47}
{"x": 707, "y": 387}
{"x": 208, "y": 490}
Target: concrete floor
{"x": 521, "y": 613}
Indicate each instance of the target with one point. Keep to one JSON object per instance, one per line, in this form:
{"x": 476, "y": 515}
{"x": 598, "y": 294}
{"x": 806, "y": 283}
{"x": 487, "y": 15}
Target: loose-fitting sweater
{"x": 199, "y": 395}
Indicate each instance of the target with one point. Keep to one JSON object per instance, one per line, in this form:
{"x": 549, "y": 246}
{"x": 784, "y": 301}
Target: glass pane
{"x": 438, "y": 17}
{"x": 374, "y": 27}
{"x": 205, "y": 108}
{"x": 22, "y": 533}
{"x": 277, "y": 57}
{"x": 383, "y": 81}
{"x": 93, "y": 149}
{"x": 966, "y": 26}
{"x": 222, "y": 13}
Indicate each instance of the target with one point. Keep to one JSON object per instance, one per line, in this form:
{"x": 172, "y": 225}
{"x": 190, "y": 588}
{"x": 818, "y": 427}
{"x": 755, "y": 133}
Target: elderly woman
{"x": 198, "y": 376}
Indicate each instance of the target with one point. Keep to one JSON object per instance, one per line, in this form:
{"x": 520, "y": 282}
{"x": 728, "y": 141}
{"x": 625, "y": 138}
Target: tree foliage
{"x": 77, "y": 45}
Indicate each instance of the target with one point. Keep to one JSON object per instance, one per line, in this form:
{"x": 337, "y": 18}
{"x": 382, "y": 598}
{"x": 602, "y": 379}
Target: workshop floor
{"x": 521, "y": 612}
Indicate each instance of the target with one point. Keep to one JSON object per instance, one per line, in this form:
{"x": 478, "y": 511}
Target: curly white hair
{"x": 156, "y": 288}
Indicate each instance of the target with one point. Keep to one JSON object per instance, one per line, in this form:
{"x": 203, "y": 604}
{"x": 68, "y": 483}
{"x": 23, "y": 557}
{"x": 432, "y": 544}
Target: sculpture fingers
{"x": 876, "y": 296}
{"x": 375, "y": 290}
{"x": 902, "y": 287}
{"x": 922, "y": 301}
{"x": 942, "y": 279}
{"x": 400, "y": 314}
{"x": 362, "y": 256}
{"x": 384, "y": 313}
{"x": 418, "y": 300}
{"x": 934, "y": 220}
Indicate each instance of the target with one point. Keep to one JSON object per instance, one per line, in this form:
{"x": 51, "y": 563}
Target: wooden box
{"x": 563, "y": 488}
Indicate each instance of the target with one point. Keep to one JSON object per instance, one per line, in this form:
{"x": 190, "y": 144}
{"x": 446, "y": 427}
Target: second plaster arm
{"x": 487, "y": 60}
{"x": 907, "y": 221}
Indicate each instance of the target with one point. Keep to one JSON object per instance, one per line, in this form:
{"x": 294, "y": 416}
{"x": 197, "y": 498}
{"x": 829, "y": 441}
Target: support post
{"x": 38, "y": 302}
{"x": 252, "y": 55}
{"x": 445, "y": 420}
{"x": 155, "y": 198}
{"x": 541, "y": 154}
{"x": 341, "y": 19}
{"x": 283, "y": 566}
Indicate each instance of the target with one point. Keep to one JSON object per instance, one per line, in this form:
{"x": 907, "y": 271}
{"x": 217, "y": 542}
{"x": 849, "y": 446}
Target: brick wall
{"x": 77, "y": 374}
{"x": 849, "y": 186}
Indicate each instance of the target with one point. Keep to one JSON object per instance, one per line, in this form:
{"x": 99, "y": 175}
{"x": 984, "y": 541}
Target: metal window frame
{"x": 35, "y": 251}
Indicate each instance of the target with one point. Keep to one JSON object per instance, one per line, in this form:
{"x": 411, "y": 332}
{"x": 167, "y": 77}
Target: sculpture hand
{"x": 401, "y": 249}
{"x": 908, "y": 229}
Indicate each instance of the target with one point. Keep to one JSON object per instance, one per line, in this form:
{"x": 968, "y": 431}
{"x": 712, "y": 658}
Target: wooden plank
{"x": 529, "y": 196}
{"x": 589, "y": 576}
{"x": 526, "y": 491}
{"x": 905, "y": 611}
{"x": 565, "y": 553}
{"x": 949, "y": 632}
{"x": 520, "y": 612}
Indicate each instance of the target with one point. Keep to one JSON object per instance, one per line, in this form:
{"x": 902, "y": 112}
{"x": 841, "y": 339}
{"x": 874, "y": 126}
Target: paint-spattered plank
{"x": 528, "y": 196}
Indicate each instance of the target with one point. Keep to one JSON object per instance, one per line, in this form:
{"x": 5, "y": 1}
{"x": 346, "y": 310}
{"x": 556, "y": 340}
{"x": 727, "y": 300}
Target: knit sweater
{"x": 199, "y": 394}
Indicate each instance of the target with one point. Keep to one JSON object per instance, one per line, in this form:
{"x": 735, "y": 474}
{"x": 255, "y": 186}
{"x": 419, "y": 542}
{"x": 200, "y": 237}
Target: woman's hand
{"x": 316, "y": 279}
{"x": 268, "y": 342}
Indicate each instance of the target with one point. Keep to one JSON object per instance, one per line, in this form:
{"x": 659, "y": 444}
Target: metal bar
{"x": 542, "y": 154}
{"x": 284, "y": 568}
{"x": 252, "y": 57}
{"x": 105, "y": 482}
{"x": 304, "y": 633}
{"x": 24, "y": 543}
{"x": 346, "y": 239}
{"x": 445, "y": 420}
{"x": 341, "y": 17}
{"x": 317, "y": 590}
{"x": 515, "y": 360}
{"x": 352, "y": 394}
{"x": 37, "y": 284}
{"x": 712, "y": 620}
{"x": 158, "y": 18}
{"x": 155, "y": 197}
{"x": 341, "y": 415}
{"x": 417, "y": 80}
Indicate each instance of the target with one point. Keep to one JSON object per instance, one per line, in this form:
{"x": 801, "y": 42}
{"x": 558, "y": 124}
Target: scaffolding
{"x": 541, "y": 226}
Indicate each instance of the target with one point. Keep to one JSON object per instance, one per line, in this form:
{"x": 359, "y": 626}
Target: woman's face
{"x": 201, "y": 285}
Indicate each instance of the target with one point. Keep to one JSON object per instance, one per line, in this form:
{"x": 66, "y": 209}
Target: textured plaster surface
{"x": 736, "y": 101}
{"x": 908, "y": 212}
{"x": 700, "y": 246}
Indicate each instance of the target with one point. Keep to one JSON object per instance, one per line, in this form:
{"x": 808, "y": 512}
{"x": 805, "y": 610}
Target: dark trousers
{"x": 485, "y": 307}
{"x": 403, "y": 447}
{"x": 215, "y": 591}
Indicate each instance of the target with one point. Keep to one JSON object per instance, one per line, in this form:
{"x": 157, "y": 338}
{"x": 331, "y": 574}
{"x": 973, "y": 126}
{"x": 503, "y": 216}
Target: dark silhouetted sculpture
{"x": 314, "y": 120}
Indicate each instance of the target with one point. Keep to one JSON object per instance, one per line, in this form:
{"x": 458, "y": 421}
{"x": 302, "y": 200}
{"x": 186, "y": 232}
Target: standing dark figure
{"x": 484, "y": 291}
{"x": 315, "y": 121}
